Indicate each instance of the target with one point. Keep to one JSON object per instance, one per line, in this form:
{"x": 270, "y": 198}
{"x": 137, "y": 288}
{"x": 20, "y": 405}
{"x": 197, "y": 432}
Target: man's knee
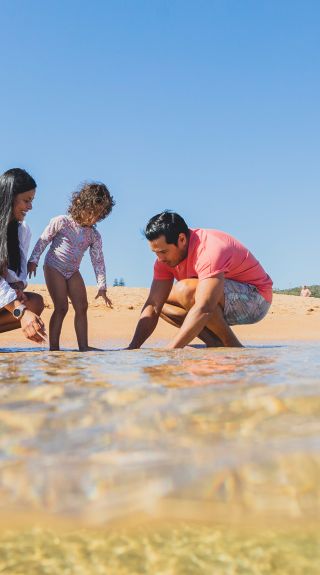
{"x": 185, "y": 292}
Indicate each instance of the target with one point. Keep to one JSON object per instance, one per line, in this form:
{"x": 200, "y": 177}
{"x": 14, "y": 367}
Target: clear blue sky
{"x": 206, "y": 107}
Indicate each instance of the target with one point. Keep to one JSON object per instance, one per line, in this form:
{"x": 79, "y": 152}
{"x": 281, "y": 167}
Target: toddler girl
{"x": 70, "y": 236}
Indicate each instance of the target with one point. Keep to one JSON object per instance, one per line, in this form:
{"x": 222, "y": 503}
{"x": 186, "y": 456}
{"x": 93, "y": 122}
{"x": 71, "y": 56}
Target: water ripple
{"x": 99, "y": 435}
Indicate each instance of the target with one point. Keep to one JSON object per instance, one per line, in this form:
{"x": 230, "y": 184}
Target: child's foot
{"x": 54, "y": 348}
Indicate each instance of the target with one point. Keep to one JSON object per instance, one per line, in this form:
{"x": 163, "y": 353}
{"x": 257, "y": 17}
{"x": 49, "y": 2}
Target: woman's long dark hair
{"x": 13, "y": 182}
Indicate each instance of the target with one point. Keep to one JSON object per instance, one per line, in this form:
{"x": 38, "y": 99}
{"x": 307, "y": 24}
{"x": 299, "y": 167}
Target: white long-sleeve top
{"x": 7, "y": 294}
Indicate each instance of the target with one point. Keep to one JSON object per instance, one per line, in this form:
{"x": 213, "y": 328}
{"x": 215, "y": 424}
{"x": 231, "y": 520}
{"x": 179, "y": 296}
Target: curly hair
{"x": 91, "y": 197}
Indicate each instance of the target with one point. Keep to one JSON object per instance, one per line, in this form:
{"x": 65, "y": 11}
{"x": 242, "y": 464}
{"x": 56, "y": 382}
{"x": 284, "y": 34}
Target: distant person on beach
{"x": 18, "y": 308}
{"x": 70, "y": 236}
{"x": 219, "y": 284}
{"x": 305, "y": 292}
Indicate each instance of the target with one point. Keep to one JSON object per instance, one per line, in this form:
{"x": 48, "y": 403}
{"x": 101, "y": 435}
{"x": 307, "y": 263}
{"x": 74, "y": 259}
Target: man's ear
{"x": 182, "y": 240}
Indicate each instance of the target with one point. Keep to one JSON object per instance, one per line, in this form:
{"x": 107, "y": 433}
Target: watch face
{"x": 18, "y": 312}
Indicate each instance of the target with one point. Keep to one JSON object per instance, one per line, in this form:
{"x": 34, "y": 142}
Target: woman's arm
{"x": 7, "y": 293}
{"x": 31, "y": 324}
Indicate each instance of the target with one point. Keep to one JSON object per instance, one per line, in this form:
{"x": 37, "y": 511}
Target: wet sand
{"x": 291, "y": 318}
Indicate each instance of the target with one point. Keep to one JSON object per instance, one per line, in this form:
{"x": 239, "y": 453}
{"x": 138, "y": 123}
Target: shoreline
{"x": 290, "y": 319}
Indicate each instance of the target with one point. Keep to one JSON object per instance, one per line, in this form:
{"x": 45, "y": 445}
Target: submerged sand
{"x": 35, "y": 417}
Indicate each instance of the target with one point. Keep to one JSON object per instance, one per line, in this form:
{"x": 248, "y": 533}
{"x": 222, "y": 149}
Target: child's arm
{"x": 46, "y": 237}
{"x": 96, "y": 255}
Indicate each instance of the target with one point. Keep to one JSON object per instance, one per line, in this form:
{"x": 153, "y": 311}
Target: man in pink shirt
{"x": 218, "y": 283}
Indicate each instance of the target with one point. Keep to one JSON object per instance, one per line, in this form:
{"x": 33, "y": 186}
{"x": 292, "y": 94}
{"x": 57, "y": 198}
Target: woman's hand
{"x": 21, "y": 296}
{"x": 17, "y": 285}
{"x": 31, "y": 269}
{"x": 18, "y": 288}
{"x": 33, "y": 327}
{"x": 103, "y": 293}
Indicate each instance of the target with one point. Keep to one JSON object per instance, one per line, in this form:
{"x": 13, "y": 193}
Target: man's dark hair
{"x": 167, "y": 224}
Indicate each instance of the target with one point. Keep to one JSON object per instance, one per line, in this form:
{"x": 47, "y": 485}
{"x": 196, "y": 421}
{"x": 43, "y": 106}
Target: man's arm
{"x": 206, "y": 311}
{"x": 158, "y": 295}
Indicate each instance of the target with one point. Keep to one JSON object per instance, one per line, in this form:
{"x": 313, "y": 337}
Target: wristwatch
{"x": 19, "y": 311}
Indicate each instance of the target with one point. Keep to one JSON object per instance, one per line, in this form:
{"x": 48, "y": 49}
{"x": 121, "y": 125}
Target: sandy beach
{"x": 291, "y": 318}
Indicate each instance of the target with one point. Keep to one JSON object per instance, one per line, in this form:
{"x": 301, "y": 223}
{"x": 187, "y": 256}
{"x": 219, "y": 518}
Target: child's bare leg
{"x": 78, "y": 295}
{"x": 57, "y": 287}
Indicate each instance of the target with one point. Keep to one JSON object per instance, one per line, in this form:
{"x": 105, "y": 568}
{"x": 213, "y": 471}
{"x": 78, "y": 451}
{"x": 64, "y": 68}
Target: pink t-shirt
{"x": 212, "y": 252}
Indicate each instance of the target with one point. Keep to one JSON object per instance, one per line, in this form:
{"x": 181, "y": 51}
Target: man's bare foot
{"x": 210, "y": 338}
{"x": 89, "y": 348}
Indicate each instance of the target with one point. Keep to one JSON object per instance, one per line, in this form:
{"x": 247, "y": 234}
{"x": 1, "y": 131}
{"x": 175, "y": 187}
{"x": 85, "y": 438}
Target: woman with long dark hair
{"x": 17, "y": 307}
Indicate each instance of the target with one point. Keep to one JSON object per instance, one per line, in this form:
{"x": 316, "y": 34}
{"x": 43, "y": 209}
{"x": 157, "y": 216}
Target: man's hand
{"x": 103, "y": 293}
{"x": 31, "y": 269}
{"x": 33, "y": 327}
{"x": 158, "y": 295}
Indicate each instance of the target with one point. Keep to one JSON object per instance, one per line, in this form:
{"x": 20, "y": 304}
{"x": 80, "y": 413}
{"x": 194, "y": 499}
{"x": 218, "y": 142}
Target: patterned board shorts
{"x": 243, "y": 303}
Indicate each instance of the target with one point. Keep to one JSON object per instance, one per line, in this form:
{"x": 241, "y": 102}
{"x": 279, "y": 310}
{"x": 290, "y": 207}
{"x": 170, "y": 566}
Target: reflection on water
{"x": 213, "y": 436}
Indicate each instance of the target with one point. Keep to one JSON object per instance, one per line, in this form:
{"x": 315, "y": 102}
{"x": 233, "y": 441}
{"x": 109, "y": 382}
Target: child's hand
{"x": 31, "y": 269}
{"x": 103, "y": 293}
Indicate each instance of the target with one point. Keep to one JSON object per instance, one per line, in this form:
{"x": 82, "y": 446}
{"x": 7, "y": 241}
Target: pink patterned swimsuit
{"x": 69, "y": 241}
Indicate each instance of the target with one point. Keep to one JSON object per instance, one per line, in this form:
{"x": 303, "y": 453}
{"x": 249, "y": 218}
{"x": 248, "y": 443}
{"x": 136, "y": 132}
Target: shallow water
{"x": 218, "y": 437}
